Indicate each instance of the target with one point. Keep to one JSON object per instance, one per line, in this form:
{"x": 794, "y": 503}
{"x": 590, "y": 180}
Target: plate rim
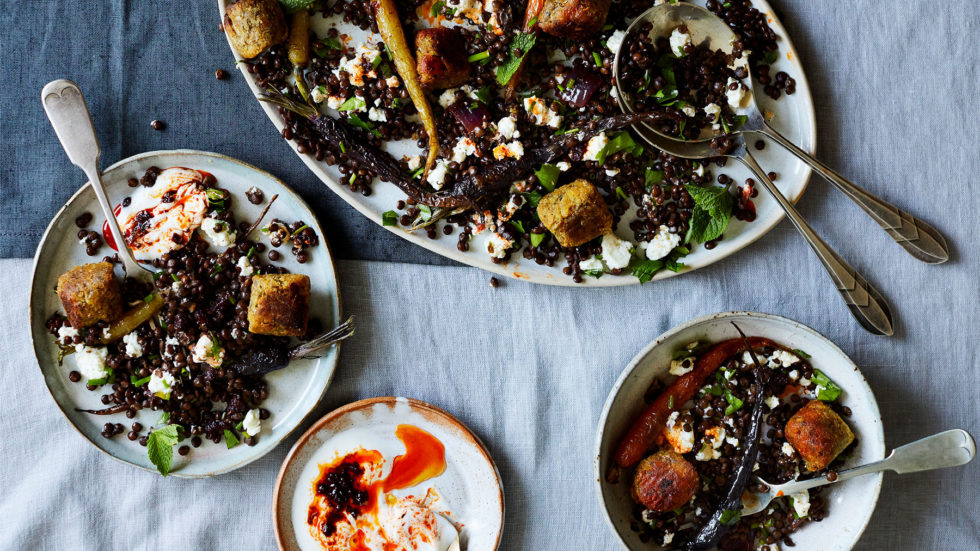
{"x": 597, "y": 475}
{"x": 511, "y": 269}
{"x": 368, "y": 402}
{"x": 338, "y": 306}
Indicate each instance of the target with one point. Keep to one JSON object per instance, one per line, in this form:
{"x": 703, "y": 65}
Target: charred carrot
{"x": 648, "y": 426}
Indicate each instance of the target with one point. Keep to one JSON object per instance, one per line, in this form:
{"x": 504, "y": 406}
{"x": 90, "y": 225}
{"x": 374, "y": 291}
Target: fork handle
{"x": 917, "y": 237}
{"x": 69, "y": 115}
{"x": 865, "y": 302}
{"x": 951, "y": 448}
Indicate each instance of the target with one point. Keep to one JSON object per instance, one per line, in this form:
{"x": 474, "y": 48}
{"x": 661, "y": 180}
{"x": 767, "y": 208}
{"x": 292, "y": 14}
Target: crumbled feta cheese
{"x": 563, "y": 166}
{"x": 772, "y": 402}
{"x": 661, "y": 244}
{"x": 414, "y": 162}
{"x": 595, "y": 145}
{"x": 612, "y": 173}
{"x": 90, "y": 361}
{"x": 614, "y": 93}
{"x": 681, "y": 367}
{"x": 169, "y": 342}
{"x": 161, "y": 383}
{"x": 515, "y": 202}
{"x": 252, "y": 423}
{"x": 538, "y": 109}
{"x": 699, "y": 170}
{"x": 393, "y": 82}
{"x": 507, "y": 128}
{"x": 801, "y": 503}
{"x": 235, "y": 333}
{"x": 678, "y": 40}
{"x": 206, "y": 351}
{"x": 437, "y": 176}
{"x": 513, "y": 149}
{"x": 713, "y": 110}
{"x": 378, "y": 115}
{"x": 318, "y": 94}
{"x": 713, "y": 439}
{"x": 784, "y": 358}
{"x": 591, "y": 264}
{"x": 448, "y": 97}
{"x": 616, "y": 253}
{"x": 689, "y": 110}
{"x": 464, "y": 148}
{"x": 133, "y": 347}
{"x": 615, "y": 41}
{"x": 794, "y": 375}
{"x": 755, "y": 467}
{"x": 66, "y": 332}
{"x": 334, "y": 102}
{"x": 668, "y": 537}
{"x": 731, "y": 440}
{"x": 219, "y": 233}
{"x": 680, "y": 440}
{"x": 736, "y": 96}
{"x": 804, "y": 382}
{"x": 245, "y": 266}
{"x": 497, "y": 245}
{"x": 788, "y": 449}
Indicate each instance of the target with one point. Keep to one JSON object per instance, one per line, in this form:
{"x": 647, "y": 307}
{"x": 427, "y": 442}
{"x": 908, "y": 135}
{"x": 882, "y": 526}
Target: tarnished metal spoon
{"x": 69, "y": 115}
{"x": 918, "y": 238}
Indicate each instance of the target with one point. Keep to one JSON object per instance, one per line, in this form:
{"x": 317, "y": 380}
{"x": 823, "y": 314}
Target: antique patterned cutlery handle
{"x": 918, "y": 238}
{"x": 865, "y": 302}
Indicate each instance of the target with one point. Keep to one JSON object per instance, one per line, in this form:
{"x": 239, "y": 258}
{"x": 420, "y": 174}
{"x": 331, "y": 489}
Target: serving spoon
{"x": 951, "y": 448}
{"x": 69, "y": 115}
{"x": 918, "y": 238}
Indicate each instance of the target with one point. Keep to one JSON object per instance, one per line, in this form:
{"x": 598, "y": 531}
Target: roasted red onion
{"x": 470, "y": 113}
{"x": 579, "y": 85}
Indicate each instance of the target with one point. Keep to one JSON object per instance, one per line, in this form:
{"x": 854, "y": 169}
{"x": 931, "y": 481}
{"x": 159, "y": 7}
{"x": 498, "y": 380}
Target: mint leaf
{"x": 621, "y": 142}
{"x": 523, "y": 42}
{"x": 356, "y": 121}
{"x": 230, "y": 439}
{"x": 645, "y": 270}
{"x": 160, "y": 447}
{"x": 389, "y": 218}
{"x": 353, "y": 103}
{"x": 547, "y": 176}
{"x": 652, "y": 178}
{"x": 828, "y": 391}
{"x": 713, "y": 209}
{"x": 532, "y": 199}
{"x": 536, "y": 239}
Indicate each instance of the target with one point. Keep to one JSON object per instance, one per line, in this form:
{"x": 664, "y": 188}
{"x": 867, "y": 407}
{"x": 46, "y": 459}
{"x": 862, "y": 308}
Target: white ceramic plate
{"x": 850, "y": 503}
{"x": 470, "y": 486}
{"x": 794, "y": 118}
{"x": 293, "y": 392}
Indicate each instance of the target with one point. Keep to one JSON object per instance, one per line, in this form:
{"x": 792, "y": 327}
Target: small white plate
{"x": 850, "y": 503}
{"x": 469, "y": 488}
{"x": 794, "y": 117}
{"x": 293, "y": 392}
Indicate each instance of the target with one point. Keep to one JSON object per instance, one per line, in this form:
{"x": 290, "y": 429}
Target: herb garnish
{"x": 828, "y": 391}
{"x": 547, "y": 176}
{"x": 712, "y": 211}
{"x": 522, "y": 42}
{"x": 353, "y": 103}
{"x": 389, "y": 218}
{"x": 356, "y": 121}
{"x": 730, "y": 516}
{"x": 160, "y": 447}
{"x": 230, "y": 439}
{"x": 485, "y": 54}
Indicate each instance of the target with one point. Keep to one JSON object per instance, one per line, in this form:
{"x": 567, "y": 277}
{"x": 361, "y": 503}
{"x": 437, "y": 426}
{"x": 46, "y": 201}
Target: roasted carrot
{"x": 530, "y": 24}
{"x": 390, "y": 27}
{"x": 648, "y": 426}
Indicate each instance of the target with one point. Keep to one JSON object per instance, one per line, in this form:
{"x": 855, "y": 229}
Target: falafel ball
{"x": 664, "y": 481}
{"x": 818, "y": 434}
{"x": 575, "y": 213}
{"x": 255, "y": 25}
{"x": 90, "y": 293}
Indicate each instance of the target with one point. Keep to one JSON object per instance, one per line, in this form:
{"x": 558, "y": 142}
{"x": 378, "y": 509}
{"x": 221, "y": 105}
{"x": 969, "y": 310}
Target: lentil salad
{"x": 565, "y": 87}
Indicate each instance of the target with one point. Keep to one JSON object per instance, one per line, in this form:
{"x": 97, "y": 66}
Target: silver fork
{"x": 939, "y": 451}
{"x": 69, "y": 115}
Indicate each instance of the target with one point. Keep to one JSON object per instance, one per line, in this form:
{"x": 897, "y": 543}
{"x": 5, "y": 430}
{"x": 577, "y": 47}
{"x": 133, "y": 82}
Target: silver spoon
{"x": 918, "y": 238}
{"x": 939, "y": 451}
{"x": 69, "y": 115}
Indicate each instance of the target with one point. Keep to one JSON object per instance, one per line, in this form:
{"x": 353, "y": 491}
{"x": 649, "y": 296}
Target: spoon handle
{"x": 69, "y": 115}
{"x": 951, "y": 448}
{"x": 865, "y": 302}
{"x": 917, "y": 237}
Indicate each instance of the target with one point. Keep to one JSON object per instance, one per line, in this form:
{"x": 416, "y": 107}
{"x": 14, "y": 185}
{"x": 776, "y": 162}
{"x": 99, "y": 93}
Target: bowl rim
{"x": 598, "y": 477}
{"x": 122, "y": 163}
{"x": 366, "y": 403}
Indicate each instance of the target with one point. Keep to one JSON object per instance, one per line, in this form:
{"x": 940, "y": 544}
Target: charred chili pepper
{"x": 643, "y": 433}
{"x": 390, "y": 27}
{"x": 726, "y": 513}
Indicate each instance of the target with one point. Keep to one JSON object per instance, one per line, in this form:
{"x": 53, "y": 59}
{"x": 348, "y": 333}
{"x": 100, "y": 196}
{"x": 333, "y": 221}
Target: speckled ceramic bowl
{"x": 850, "y": 503}
{"x": 470, "y": 486}
{"x": 293, "y": 392}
